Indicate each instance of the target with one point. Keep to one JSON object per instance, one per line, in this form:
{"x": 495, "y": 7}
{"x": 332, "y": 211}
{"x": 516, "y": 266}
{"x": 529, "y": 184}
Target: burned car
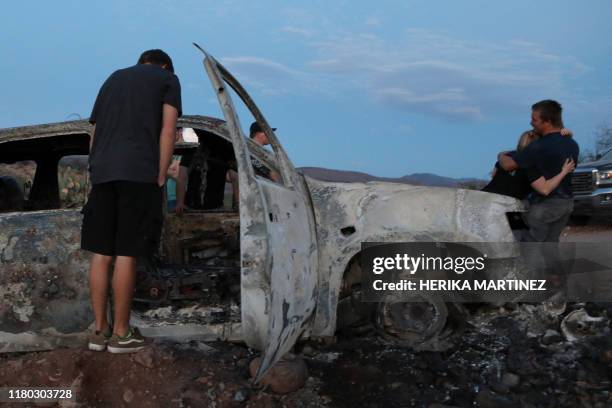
{"x": 282, "y": 266}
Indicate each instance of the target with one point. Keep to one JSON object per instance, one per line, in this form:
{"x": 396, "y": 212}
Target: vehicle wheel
{"x": 418, "y": 324}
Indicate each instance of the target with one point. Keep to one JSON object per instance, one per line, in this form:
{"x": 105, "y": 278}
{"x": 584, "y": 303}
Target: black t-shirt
{"x": 545, "y": 157}
{"x": 128, "y": 118}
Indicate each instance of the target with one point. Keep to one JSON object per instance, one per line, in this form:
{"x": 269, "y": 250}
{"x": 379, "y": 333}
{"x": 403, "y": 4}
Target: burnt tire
{"x": 418, "y": 323}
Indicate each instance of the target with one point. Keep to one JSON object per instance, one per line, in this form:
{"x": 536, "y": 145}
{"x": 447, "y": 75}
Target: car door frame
{"x": 278, "y": 237}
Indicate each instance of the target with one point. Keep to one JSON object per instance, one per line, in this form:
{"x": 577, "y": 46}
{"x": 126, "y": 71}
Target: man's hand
{"x": 179, "y": 208}
{"x": 173, "y": 170}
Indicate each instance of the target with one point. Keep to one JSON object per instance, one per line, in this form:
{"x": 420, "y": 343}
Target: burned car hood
{"x": 379, "y": 210}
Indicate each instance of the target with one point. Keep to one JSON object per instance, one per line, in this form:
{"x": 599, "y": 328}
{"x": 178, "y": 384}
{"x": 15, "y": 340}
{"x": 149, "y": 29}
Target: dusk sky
{"x": 387, "y": 88}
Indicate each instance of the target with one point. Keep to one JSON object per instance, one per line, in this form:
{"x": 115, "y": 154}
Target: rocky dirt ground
{"x": 513, "y": 356}
{"x": 527, "y": 355}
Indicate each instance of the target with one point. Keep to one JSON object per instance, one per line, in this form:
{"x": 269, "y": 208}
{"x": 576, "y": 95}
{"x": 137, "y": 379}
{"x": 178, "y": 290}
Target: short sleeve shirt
{"x": 128, "y": 118}
{"x": 545, "y": 157}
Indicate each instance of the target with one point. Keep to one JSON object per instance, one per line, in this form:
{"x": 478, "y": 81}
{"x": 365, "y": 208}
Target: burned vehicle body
{"x": 285, "y": 262}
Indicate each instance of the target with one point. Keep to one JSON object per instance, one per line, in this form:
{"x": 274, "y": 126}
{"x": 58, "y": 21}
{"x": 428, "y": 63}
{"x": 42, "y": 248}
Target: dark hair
{"x": 157, "y": 57}
{"x": 550, "y": 111}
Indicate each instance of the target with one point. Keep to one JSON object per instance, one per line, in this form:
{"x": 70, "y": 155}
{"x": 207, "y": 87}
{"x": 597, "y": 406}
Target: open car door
{"x": 277, "y": 237}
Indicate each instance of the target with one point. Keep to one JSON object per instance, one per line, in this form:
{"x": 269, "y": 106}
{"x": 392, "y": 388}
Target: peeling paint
{"x": 14, "y": 299}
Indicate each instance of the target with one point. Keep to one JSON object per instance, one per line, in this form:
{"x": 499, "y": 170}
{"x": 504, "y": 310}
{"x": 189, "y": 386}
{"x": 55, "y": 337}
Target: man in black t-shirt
{"x": 542, "y": 160}
{"x": 134, "y": 120}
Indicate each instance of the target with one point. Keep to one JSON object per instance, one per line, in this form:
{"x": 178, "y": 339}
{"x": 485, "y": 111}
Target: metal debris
{"x": 579, "y": 324}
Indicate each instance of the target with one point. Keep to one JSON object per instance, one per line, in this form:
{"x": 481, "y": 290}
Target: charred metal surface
{"x": 44, "y": 299}
{"x": 254, "y": 254}
{"x": 210, "y": 124}
{"x": 211, "y": 238}
{"x": 43, "y": 277}
{"x": 278, "y": 238}
{"x": 386, "y": 212}
{"x": 294, "y": 281}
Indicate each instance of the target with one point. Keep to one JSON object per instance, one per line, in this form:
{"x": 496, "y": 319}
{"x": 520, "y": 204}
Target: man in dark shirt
{"x": 134, "y": 120}
{"x": 259, "y": 136}
{"x": 543, "y": 159}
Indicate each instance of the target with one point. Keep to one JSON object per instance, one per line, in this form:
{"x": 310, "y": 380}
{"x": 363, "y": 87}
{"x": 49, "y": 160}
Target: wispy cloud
{"x": 419, "y": 71}
{"x": 269, "y": 77}
{"x": 297, "y": 30}
{"x": 437, "y": 74}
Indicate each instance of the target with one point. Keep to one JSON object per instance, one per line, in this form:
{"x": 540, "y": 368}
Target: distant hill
{"x": 422, "y": 179}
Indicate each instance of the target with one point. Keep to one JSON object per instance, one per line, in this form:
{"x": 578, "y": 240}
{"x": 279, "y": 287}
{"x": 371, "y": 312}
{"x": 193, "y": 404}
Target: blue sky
{"x": 390, "y": 88}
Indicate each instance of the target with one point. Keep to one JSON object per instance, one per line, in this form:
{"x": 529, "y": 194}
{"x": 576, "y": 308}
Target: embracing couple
{"x": 539, "y": 171}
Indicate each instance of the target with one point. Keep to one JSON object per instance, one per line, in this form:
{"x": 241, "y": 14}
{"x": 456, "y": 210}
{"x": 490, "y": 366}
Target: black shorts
{"x": 122, "y": 218}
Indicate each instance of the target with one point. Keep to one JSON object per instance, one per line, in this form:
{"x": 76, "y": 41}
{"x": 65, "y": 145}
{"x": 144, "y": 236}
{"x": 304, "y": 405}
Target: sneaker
{"x": 132, "y": 342}
{"x": 99, "y": 339}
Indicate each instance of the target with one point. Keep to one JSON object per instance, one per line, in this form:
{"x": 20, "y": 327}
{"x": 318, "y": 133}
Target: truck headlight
{"x": 604, "y": 177}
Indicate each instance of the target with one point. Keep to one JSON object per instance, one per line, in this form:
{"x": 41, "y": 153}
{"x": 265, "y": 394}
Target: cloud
{"x": 297, "y": 30}
{"x": 417, "y": 71}
{"x": 437, "y": 74}
{"x": 267, "y": 76}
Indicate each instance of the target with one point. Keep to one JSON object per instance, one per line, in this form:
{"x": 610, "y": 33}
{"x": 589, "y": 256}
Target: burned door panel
{"x": 279, "y": 249}
{"x": 44, "y": 291}
{"x": 293, "y": 262}
{"x": 254, "y": 257}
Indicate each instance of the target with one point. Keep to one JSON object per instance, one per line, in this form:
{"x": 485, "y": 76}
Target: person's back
{"x": 134, "y": 120}
{"x": 548, "y": 155}
{"x": 128, "y": 122}
{"x": 549, "y": 158}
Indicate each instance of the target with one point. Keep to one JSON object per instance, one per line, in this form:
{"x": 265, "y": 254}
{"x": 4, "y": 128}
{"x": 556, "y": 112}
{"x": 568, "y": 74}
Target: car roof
{"x": 213, "y": 125}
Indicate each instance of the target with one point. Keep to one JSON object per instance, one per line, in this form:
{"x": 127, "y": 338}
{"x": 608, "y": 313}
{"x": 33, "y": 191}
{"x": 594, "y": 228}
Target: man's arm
{"x": 166, "y": 141}
{"x": 545, "y": 187}
{"x": 181, "y": 189}
{"x": 506, "y": 162}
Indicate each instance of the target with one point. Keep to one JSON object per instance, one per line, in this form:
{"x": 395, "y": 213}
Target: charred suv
{"x": 592, "y": 187}
{"x": 282, "y": 266}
